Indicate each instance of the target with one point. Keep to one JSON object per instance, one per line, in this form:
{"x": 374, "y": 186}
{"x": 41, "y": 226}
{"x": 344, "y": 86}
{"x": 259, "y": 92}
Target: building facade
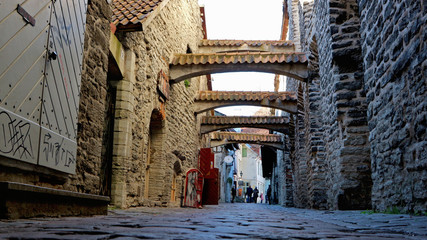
{"x": 134, "y": 134}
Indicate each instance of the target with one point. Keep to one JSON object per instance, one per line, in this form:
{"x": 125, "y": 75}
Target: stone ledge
{"x": 18, "y": 200}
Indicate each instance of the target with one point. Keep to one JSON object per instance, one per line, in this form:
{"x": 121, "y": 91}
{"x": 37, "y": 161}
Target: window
{"x": 244, "y": 152}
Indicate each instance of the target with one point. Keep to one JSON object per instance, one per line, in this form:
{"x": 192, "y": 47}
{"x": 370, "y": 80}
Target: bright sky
{"x": 247, "y": 20}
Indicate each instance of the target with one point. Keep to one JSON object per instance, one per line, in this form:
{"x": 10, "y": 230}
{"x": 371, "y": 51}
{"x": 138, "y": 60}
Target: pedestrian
{"x": 262, "y": 197}
{"x": 249, "y": 192}
{"x": 268, "y": 199}
{"x": 233, "y": 194}
{"x": 256, "y": 194}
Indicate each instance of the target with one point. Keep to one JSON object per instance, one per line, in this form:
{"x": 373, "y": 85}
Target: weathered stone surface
{"x": 229, "y": 221}
{"x": 394, "y": 102}
{"x": 332, "y": 151}
{"x": 162, "y": 147}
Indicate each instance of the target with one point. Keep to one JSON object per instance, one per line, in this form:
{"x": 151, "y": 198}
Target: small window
{"x": 244, "y": 152}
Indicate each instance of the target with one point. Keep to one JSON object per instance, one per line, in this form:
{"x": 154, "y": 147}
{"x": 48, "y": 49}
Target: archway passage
{"x": 207, "y": 100}
{"x": 214, "y": 123}
{"x": 222, "y": 138}
{"x": 155, "y": 165}
{"x": 185, "y": 66}
{"x": 221, "y": 46}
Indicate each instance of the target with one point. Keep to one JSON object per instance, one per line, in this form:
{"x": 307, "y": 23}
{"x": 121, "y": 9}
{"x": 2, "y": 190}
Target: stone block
{"x": 121, "y": 105}
{"x": 24, "y": 201}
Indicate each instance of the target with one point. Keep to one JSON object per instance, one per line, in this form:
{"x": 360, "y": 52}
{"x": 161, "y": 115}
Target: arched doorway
{"x": 155, "y": 170}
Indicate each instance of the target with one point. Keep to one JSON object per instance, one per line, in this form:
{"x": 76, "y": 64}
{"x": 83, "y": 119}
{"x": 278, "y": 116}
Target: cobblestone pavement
{"x": 229, "y": 221}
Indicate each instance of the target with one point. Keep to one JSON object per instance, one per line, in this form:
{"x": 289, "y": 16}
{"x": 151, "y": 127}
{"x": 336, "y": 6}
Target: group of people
{"x": 252, "y": 195}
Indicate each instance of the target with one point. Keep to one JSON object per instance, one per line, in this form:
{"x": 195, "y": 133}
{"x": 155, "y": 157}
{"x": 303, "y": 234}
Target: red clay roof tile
{"x": 245, "y": 96}
{"x": 129, "y": 11}
{"x": 239, "y": 57}
{"x": 223, "y": 42}
{"x": 261, "y": 120}
{"x": 246, "y": 137}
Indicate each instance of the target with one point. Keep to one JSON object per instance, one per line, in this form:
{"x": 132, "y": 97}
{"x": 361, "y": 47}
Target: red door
{"x": 211, "y": 188}
{"x": 210, "y": 174}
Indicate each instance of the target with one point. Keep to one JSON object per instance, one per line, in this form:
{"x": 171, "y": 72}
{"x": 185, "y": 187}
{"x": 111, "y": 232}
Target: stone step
{"x": 18, "y": 200}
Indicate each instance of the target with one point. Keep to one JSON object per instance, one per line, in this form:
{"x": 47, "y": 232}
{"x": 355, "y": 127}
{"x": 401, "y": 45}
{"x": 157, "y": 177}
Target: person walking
{"x": 233, "y": 194}
{"x": 256, "y": 194}
{"x": 249, "y": 192}
{"x": 268, "y": 199}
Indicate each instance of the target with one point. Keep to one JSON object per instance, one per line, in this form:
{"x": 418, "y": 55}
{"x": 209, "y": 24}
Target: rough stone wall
{"x": 285, "y": 180}
{"x": 175, "y": 30}
{"x": 93, "y": 94}
{"x": 394, "y": 57}
{"x": 335, "y": 110}
{"x": 93, "y": 98}
{"x": 313, "y": 121}
{"x": 343, "y": 104}
{"x": 298, "y": 153}
{"x": 91, "y": 114}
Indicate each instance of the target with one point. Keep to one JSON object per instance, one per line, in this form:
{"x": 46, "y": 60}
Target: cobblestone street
{"x": 229, "y": 221}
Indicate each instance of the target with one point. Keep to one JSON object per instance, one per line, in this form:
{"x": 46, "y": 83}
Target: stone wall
{"x": 171, "y": 144}
{"x": 332, "y": 153}
{"x": 394, "y": 57}
{"x": 93, "y": 96}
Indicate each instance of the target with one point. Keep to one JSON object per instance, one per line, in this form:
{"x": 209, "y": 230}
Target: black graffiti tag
{"x": 15, "y": 137}
{"x": 56, "y": 150}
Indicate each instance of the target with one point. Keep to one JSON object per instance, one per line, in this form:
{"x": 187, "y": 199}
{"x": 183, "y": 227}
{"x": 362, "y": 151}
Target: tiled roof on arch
{"x": 221, "y": 42}
{"x": 132, "y": 11}
{"x": 237, "y": 120}
{"x": 246, "y": 137}
{"x": 245, "y": 96}
{"x": 239, "y": 57}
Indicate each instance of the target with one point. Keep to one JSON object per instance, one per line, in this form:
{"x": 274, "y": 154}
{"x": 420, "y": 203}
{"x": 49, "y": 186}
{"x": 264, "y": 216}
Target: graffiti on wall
{"x": 15, "y": 137}
{"x": 24, "y": 140}
{"x": 193, "y": 189}
{"x": 55, "y": 151}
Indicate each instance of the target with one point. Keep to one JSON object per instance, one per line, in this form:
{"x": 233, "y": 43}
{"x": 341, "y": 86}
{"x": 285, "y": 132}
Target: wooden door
{"x": 41, "y": 54}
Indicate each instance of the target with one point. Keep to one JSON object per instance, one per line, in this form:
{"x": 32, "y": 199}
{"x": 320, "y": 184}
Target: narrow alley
{"x": 224, "y": 221}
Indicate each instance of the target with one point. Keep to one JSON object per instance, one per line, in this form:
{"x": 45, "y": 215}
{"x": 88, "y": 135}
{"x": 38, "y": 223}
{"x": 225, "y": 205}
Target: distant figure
{"x": 268, "y": 199}
{"x": 256, "y": 194}
{"x": 233, "y": 194}
{"x": 262, "y": 197}
{"x": 249, "y": 192}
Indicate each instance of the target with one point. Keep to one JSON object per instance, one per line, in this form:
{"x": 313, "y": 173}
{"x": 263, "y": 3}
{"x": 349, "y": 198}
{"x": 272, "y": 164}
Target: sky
{"x": 243, "y": 20}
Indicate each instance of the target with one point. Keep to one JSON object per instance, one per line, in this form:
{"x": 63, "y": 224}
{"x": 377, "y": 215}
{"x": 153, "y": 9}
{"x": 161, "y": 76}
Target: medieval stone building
{"x": 136, "y": 135}
{"x": 361, "y": 141}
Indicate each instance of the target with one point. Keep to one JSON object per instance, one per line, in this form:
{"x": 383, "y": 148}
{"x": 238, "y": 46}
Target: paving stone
{"x": 225, "y": 221}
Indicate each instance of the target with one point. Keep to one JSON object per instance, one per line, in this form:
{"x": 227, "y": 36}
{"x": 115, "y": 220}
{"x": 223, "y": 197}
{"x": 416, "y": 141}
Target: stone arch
{"x": 155, "y": 164}
{"x": 180, "y": 73}
{"x": 282, "y": 129}
{"x": 273, "y": 145}
{"x": 290, "y": 107}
